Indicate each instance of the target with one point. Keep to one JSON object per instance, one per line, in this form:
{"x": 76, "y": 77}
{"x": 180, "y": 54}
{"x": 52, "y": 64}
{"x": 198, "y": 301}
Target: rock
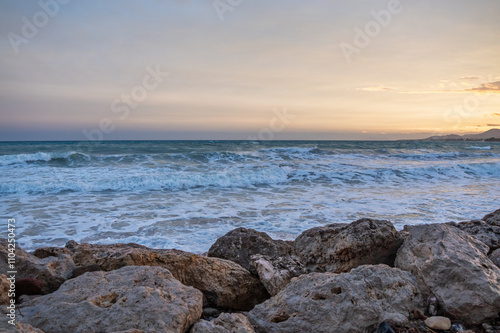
{"x": 84, "y": 269}
{"x": 493, "y": 218}
{"x": 4, "y": 290}
{"x": 341, "y": 247}
{"x": 453, "y": 266}
{"x": 225, "y": 323}
{"x": 45, "y": 252}
{"x": 26, "y": 328}
{"x": 210, "y": 313}
{"x": 142, "y": 298}
{"x": 432, "y": 305}
{"x": 457, "y": 328}
{"x": 347, "y": 302}
{"x": 495, "y": 257}
{"x": 224, "y": 283}
{"x": 418, "y": 314}
{"x": 52, "y": 271}
{"x": 240, "y": 244}
{"x": 438, "y": 323}
{"x": 276, "y": 273}
{"x": 384, "y": 328}
{"x": 487, "y": 233}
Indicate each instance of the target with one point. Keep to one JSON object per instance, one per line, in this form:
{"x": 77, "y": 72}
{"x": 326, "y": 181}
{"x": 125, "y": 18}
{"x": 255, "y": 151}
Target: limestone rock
{"x": 142, "y": 298}
{"x": 276, "y": 273}
{"x": 224, "y": 283}
{"x": 240, "y": 244}
{"x": 487, "y": 233}
{"x": 438, "y": 323}
{"x": 341, "y": 247}
{"x": 52, "y": 271}
{"x": 495, "y": 257}
{"x": 347, "y": 302}
{"x": 45, "y": 252}
{"x": 493, "y": 218}
{"x": 453, "y": 266}
{"x": 225, "y": 323}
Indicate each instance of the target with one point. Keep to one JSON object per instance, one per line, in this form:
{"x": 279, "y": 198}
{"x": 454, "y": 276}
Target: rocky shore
{"x": 363, "y": 276}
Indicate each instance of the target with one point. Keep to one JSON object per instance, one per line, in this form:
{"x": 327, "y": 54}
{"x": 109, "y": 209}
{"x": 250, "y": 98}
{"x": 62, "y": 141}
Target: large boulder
{"x": 142, "y": 298}
{"x": 486, "y": 232}
{"x": 341, "y": 247}
{"x": 52, "y": 271}
{"x": 453, "y": 266}
{"x": 347, "y": 302}
{"x": 225, "y": 323}
{"x": 224, "y": 283}
{"x": 240, "y": 244}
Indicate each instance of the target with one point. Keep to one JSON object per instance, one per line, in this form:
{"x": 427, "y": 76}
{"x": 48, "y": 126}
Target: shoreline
{"x": 246, "y": 277}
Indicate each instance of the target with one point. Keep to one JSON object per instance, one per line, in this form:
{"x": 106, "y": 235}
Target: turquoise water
{"x": 185, "y": 194}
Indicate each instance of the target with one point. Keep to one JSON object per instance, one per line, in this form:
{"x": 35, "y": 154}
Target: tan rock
{"x": 224, "y": 283}
{"x": 453, "y": 266}
{"x": 52, "y": 271}
{"x": 4, "y": 290}
{"x": 225, "y": 323}
{"x": 347, "y": 302}
{"x": 342, "y": 247}
{"x": 147, "y": 299}
{"x": 438, "y": 323}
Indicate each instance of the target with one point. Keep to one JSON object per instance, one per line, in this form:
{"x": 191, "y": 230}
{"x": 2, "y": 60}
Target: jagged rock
{"x": 438, "y": 323}
{"x": 225, "y": 323}
{"x": 84, "y": 269}
{"x": 52, "y": 271}
{"x": 487, "y": 233}
{"x": 45, "y": 252}
{"x": 142, "y": 298}
{"x": 4, "y": 290}
{"x": 453, "y": 266}
{"x": 347, "y": 302}
{"x": 276, "y": 273}
{"x": 26, "y": 328}
{"x": 493, "y": 218}
{"x": 224, "y": 283}
{"x": 495, "y": 257}
{"x": 240, "y": 244}
{"x": 341, "y": 247}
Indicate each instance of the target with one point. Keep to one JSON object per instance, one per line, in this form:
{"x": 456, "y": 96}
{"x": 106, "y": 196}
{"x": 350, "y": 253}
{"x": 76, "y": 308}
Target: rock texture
{"x": 438, "y": 323}
{"x": 224, "y": 283}
{"x": 142, "y": 298}
{"x": 342, "y": 247}
{"x": 46, "y": 252}
{"x": 453, "y": 266}
{"x": 347, "y": 302}
{"x": 225, "y": 323}
{"x": 240, "y": 244}
{"x": 276, "y": 273}
{"x": 4, "y": 290}
{"x": 495, "y": 257}
{"x": 487, "y": 233}
{"x": 52, "y": 271}
{"x": 493, "y": 218}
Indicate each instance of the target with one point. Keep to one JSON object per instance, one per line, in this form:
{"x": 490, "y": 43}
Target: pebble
{"x": 438, "y": 323}
{"x": 417, "y": 314}
{"x": 384, "y": 328}
{"x": 457, "y": 328}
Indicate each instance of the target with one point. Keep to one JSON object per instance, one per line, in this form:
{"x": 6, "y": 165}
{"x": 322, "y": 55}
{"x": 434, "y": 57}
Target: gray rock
{"x": 240, "y": 244}
{"x": 342, "y": 247}
{"x": 453, "y": 266}
{"x": 225, "y": 323}
{"x": 493, "y": 218}
{"x": 276, "y": 273}
{"x": 347, "y": 302}
{"x": 52, "y": 271}
{"x": 142, "y": 298}
{"x": 438, "y": 323}
{"x": 495, "y": 257}
{"x": 224, "y": 283}
{"x": 487, "y": 233}
{"x": 45, "y": 252}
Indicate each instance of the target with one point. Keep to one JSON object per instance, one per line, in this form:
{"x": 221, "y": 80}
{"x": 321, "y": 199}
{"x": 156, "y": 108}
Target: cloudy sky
{"x": 234, "y": 69}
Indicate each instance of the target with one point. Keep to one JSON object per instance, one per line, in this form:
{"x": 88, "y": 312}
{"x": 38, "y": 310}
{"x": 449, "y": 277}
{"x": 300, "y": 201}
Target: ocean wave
{"x": 479, "y": 147}
{"x": 69, "y": 157}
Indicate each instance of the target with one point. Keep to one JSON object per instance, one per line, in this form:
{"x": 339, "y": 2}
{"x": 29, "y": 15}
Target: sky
{"x": 248, "y": 69}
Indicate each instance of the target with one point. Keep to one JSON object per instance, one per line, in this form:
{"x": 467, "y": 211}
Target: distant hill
{"x": 491, "y": 135}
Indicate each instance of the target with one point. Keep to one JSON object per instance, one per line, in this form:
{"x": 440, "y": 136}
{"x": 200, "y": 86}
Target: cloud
{"x": 490, "y": 87}
{"x": 470, "y": 78}
{"x": 377, "y": 89}
{"x": 496, "y": 114}
{"x": 493, "y": 125}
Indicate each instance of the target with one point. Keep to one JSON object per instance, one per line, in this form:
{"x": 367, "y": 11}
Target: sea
{"x": 186, "y": 194}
